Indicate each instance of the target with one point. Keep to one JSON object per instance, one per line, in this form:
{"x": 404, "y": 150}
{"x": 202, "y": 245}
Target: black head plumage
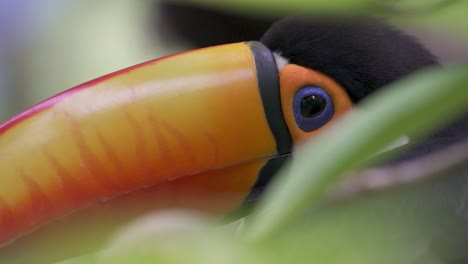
{"x": 361, "y": 53}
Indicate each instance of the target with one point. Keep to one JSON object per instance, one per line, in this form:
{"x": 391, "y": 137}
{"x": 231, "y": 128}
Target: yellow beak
{"x": 192, "y": 130}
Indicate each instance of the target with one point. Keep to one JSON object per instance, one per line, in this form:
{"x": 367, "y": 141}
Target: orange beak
{"x": 192, "y": 130}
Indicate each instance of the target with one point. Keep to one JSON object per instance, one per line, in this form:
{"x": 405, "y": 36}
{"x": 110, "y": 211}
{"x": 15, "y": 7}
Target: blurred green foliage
{"x": 406, "y": 105}
{"x": 443, "y": 14}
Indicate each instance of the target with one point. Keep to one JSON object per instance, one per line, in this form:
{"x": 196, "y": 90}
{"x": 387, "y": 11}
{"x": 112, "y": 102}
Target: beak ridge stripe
{"x": 268, "y": 83}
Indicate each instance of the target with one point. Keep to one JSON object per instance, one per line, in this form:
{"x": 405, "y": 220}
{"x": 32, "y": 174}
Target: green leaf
{"x": 446, "y": 16}
{"x": 280, "y": 7}
{"x": 415, "y": 106}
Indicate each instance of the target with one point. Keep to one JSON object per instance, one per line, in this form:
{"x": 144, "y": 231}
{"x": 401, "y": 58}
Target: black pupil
{"x": 312, "y": 105}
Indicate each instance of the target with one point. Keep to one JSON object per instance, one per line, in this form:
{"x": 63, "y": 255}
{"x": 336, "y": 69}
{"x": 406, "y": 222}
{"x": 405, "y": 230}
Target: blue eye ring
{"x": 312, "y": 108}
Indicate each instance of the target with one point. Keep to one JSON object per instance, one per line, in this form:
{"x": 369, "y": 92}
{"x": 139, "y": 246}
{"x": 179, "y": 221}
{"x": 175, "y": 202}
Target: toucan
{"x": 204, "y": 129}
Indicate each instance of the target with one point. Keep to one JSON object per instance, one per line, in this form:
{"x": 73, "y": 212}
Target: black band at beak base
{"x": 268, "y": 83}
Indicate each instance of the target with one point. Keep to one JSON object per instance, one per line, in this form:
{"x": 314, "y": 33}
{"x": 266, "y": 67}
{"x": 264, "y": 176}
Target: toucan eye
{"x": 312, "y": 108}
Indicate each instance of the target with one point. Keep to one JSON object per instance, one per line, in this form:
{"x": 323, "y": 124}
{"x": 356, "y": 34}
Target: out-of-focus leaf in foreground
{"x": 420, "y": 219}
{"x": 447, "y": 15}
{"x": 418, "y": 223}
{"x": 413, "y": 106}
{"x": 261, "y": 7}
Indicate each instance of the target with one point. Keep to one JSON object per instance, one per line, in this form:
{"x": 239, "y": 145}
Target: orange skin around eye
{"x": 292, "y": 78}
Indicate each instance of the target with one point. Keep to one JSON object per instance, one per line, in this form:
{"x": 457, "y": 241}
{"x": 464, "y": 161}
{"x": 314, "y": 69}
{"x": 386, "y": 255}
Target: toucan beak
{"x": 208, "y": 119}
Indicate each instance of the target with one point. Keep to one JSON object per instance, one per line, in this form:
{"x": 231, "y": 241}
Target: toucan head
{"x": 204, "y": 129}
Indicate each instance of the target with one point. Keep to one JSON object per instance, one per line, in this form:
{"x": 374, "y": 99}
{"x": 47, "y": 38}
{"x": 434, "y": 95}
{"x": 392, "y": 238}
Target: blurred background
{"x": 47, "y": 46}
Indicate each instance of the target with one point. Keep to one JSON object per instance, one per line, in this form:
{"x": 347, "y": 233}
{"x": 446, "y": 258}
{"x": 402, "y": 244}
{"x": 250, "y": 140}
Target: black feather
{"x": 361, "y": 53}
